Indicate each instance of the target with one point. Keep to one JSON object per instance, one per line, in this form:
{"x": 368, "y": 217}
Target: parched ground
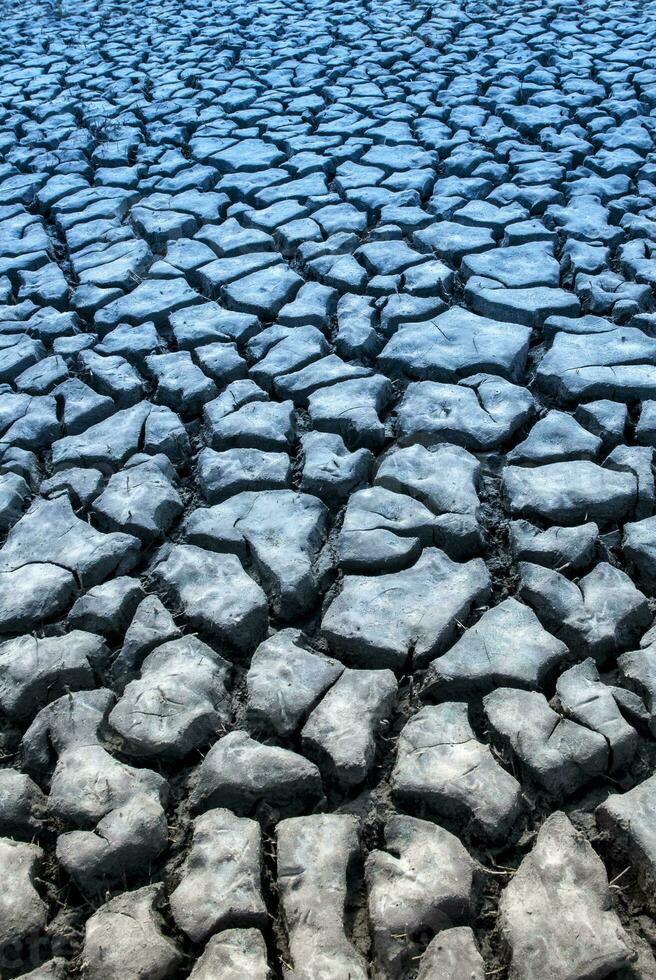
{"x": 328, "y": 554}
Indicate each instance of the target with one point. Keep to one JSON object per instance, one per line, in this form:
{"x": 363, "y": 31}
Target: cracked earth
{"x": 327, "y": 425}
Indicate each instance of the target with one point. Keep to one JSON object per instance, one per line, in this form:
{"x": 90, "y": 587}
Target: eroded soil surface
{"x": 328, "y": 555}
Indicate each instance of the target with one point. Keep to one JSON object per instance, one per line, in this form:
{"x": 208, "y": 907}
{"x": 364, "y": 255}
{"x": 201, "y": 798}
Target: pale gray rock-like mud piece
{"x": 327, "y": 490}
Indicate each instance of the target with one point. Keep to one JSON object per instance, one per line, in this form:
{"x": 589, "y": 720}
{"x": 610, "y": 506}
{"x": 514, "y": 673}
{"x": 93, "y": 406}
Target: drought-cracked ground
{"x": 328, "y": 557}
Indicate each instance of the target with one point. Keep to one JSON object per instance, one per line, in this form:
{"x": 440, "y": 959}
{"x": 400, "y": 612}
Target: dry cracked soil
{"x": 327, "y": 502}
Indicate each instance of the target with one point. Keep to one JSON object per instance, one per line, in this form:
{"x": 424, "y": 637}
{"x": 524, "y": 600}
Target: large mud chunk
{"x": 556, "y": 912}
{"x": 569, "y": 493}
{"x": 442, "y": 771}
{"x": 340, "y": 734}
{"x": 33, "y": 593}
{"x": 178, "y": 704}
{"x": 507, "y": 645}
{"x": 383, "y": 531}
{"x": 233, "y": 955}
{"x": 452, "y": 955}
{"x": 248, "y": 776}
{"x": 23, "y": 912}
{"x": 316, "y": 857}
{"x": 429, "y": 600}
{"x": 559, "y": 754}
{"x": 122, "y": 846}
{"x": 444, "y": 479}
{"x": 35, "y": 671}
{"x": 604, "y": 612}
{"x": 628, "y": 818}
{"x": 616, "y": 364}
{"x": 125, "y": 939}
{"x": 455, "y": 344}
{"x": 22, "y": 806}
{"x": 140, "y": 500}
{"x": 587, "y": 699}
{"x": 52, "y": 532}
{"x": 554, "y": 438}
{"x": 216, "y": 595}
{"x": 285, "y": 682}
{"x": 421, "y": 883}
{"x": 639, "y": 547}
{"x": 480, "y": 413}
{"x": 66, "y": 735}
{"x": 221, "y": 877}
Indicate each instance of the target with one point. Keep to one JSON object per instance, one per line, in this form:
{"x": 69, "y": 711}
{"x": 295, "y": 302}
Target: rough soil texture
{"x": 327, "y": 502}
